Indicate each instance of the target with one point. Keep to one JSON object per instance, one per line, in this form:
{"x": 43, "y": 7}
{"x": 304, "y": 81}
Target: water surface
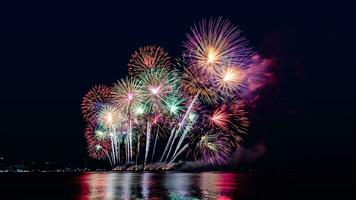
{"x": 171, "y": 185}
{"x": 155, "y": 185}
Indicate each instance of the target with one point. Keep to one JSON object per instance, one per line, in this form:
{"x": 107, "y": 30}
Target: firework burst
{"x": 215, "y": 44}
{"x": 109, "y": 116}
{"x": 157, "y": 84}
{"x": 230, "y": 80}
{"x": 193, "y": 83}
{"x": 213, "y": 148}
{"x": 126, "y": 93}
{"x": 148, "y": 57}
{"x": 94, "y": 100}
{"x": 174, "y": 104}
{"x": 98, "y": 148}
{"x": 220, "y": 118}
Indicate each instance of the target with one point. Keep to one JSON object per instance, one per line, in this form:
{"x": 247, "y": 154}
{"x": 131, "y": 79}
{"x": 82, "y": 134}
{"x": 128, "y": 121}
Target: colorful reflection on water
{"x": 170, "y": 185}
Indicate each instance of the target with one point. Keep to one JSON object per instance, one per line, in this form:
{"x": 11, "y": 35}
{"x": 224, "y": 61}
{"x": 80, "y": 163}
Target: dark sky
{"x": 51, "y": 54}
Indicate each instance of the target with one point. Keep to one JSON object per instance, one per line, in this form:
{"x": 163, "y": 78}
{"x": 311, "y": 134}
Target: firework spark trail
{"x": 186, "y": 130}
{"x": 130, "y": 136}
{"x": 148, "y": 138}
{"x": 130, "y": 132}
{"x": 154, "y": 146}
{"x": 181, "y": 124}
{"x": 138, "y": 149}
{"x": 116, "y": 150}
{"x": 180, "y": 152}
{"x": 168, "y": 144}
{"x": 171, "y": 145}
{"x": 108, "y": 156}
{"x": 127, "y": 143}
{"x": 119, "y": 150}
{"x": 113, "y": 149}
{"x": 126, "y": 149}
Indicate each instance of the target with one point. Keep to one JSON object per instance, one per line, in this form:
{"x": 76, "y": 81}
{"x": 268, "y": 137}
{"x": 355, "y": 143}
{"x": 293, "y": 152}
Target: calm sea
{"x": 164, "y": 185}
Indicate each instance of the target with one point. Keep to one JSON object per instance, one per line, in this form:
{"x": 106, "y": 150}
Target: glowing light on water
{"x": 206, "y": 185}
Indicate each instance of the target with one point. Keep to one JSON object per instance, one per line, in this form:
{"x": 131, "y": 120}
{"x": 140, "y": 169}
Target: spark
{"x": 211, "y": 56}
{"x": 230, "y": 80}
{"x": 155, "y": 90}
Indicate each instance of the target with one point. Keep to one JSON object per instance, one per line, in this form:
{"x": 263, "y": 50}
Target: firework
{"x": 101, "y": 133}
{"x": 215, "y": 44}
{"x": 174, "y": 104}
{"x": 93, "y": 100}
{"x": 194, "y": 107}
{"x": 157, "y": 84}
{"x": 109, "y": 116}
{"x": 148, "y": 57}
{"x": 212, "y": 148}
{"x": 126, "y": 93}
{"x": 139, "y": 110}
{"x": 238, "y": 123}
{"x": 220, "y": 118}
{"x": 193, "y": 83}
{"x": 230, "y": 80}
{"x": 97, "y": 148}
{"x": 181, "y": 125}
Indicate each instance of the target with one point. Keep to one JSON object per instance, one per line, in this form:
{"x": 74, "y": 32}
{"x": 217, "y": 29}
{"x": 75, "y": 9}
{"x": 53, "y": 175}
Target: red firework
{"x": 93, "y": 100}
{"x": 97, "y": 149}
{"x": 148, "y": 57}
{"x": 220, "y": 118}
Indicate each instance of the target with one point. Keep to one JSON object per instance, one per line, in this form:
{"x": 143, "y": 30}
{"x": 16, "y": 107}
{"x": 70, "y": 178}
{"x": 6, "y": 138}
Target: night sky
{"x": 52, "y": 54}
